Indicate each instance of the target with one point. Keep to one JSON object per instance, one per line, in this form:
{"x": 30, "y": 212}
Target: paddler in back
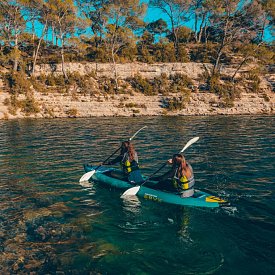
{"x": 128, "y": 160}
{"x": 179, "y": 179}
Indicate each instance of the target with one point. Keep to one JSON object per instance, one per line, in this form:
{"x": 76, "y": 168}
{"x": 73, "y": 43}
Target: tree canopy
{"x": 116, "y": 31}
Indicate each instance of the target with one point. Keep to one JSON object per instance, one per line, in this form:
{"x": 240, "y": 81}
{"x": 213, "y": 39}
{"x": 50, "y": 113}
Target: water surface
{"x": 49, "y": 223}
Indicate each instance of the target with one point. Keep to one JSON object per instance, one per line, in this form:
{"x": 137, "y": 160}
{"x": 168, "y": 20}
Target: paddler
{"x": 128, "y": 160}
{"x": 179, "y": 178}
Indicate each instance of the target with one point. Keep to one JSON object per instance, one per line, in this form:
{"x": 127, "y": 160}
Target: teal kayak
{"x": 199, "y": 199}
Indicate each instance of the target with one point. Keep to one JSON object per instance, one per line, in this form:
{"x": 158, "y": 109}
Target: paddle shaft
{"x": 189, "y": 143}
{"x": 154, "y": 173}
{"x": 120, "y": 147}
{"x": 133, "y": 191}
{"x": 107, "y": 158}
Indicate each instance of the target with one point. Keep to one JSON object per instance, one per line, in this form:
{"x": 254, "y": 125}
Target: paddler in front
{"x": 179, "y": 179}
{"x": 128, "y": 160}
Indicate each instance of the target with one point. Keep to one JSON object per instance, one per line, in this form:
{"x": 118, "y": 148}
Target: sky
{"x": 154, "y": 14}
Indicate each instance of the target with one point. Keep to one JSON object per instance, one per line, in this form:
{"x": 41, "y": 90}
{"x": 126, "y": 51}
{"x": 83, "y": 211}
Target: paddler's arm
{"x": 114, "y": 161}
{"x": 165, "y": 176}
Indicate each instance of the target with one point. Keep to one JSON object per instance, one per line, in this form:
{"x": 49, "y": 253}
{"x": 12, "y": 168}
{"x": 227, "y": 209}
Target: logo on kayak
{"x": 151, "y": 197}
{"x": 214, "y": 199}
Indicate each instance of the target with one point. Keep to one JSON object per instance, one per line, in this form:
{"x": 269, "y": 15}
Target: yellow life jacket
{"x": 128, "y": 166}
{"x": 183, "y": 183}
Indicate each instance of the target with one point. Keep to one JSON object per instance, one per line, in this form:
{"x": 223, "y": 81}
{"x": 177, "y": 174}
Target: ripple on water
{"x": 49, "y": 223}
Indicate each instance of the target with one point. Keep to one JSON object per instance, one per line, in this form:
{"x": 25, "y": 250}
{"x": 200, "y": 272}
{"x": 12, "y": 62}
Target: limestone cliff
{"x": 73, "y": 104}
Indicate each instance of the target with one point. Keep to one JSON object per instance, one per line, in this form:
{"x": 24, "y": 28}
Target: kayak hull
{"x": 199, "y": 199}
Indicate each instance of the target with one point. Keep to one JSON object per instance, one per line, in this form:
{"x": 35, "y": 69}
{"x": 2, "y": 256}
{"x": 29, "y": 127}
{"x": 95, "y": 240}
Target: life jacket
{"x": 184, "y": 183}
{"x": 127, "y": 165}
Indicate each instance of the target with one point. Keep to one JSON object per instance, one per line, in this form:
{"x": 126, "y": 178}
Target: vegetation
{"x": 104, "y": 32}
{"x": 57, "y": 31}
{"x": 176, "y": 103}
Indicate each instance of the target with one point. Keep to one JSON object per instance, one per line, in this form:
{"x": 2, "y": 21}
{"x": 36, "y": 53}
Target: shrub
{"x": 266, "y": 97}
{"x": 38, "y": 86}
{"x": 183, "y": 55}
{"x": 29, "y": 105}
{"x": 145, "y": 56}
{"x": 107, "y": 85}
{"x": 50, "y": 80}
{"x": 203, "y": 53}
{"x": 179, "y": 82}
{"x": 254, "y": 80}
{"x": 142, "y": 85}
{"x": 72, "y": 112}
{"x": 255, "y": 86}
{"x": 136, "y": 111}
{"x": 227, "y": 91}
{"x": 161, "y": 84}
{"x": 174, "y": 103}
{"x": 17, "y": 83}
{"x": 130, "y": 105}
{"x": 164, "y": 52}
{"x": 6, "y": 101}
{"x": 135, "y": 105}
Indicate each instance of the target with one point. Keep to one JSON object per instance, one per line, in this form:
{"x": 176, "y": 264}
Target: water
{"x": 49, "y": 223}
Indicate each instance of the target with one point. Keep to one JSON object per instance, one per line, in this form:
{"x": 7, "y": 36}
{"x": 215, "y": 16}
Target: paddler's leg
{"x": 135, "y": 177}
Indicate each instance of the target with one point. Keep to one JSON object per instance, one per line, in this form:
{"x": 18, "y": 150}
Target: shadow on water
{"x": 50, "y": 223}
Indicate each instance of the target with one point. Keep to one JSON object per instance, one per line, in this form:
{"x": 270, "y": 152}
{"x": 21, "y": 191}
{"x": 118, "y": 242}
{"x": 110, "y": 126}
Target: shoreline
{"x": 71, "y": 102}
{"x": 140, "y": 116}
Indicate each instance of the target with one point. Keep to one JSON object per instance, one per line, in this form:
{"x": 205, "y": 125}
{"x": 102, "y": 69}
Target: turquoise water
{"x": 49, "y": 223}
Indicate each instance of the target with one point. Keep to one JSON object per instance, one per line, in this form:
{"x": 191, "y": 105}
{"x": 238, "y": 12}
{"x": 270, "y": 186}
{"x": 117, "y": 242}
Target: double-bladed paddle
{"x": 133, "y": 191}
{"x": 88, "y": 175}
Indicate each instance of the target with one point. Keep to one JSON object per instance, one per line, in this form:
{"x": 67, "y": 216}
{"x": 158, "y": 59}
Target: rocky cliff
{"x": 72, "y": 104}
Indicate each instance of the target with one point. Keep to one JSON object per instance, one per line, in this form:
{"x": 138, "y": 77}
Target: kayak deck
{"x": 199, "y": 199}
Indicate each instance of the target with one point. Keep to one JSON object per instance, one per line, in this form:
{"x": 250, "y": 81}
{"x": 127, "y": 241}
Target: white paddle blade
{"x": 136, "y": 133}
{"x": 87, "y": 176}
{"x": 189, "y": 143}
{"x": 130, "y": 192}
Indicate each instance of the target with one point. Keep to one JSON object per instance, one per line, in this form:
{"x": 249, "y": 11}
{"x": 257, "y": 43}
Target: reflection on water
{"x": 50, "y": 223}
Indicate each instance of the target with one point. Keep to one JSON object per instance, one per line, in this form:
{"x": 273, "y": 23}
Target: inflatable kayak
{"x": 199, "y": 199}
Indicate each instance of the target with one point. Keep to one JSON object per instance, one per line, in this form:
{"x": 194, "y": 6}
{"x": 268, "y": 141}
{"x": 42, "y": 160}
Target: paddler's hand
{"x": 169, "y": 161}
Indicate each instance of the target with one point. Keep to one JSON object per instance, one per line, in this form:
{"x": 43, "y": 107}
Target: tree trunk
{"x": 63, "y": 59}
{"x": 205, "y": 34}
{"x": 38, "y": 46}
{"x": 33, "y": 36}
{"x": 176, "y": 43}
{"x": 196, "y": 28}
{"x": 239, "y": 67}
{"x": 217, "y": 62}
{"x": 243, "y": 62}
{"x": 115, "y": 69}
{"x": 262, "y": 31}
{"x": 15, "y": 62}
{"x": 53, "y": 34}
{"x": 201, "y": 28}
